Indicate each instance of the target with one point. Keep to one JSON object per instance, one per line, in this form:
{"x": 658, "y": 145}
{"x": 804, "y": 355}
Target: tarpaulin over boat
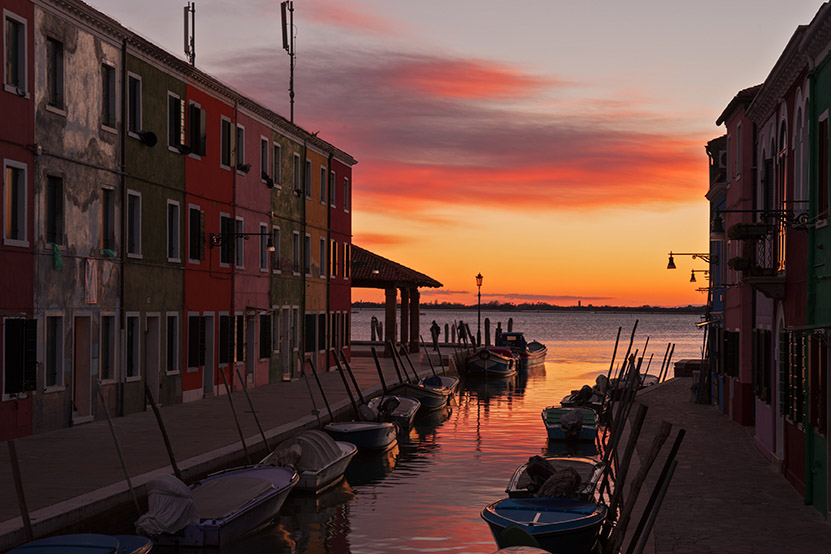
{"x": 317, "y": 450}
{"x": 171, "y": 507}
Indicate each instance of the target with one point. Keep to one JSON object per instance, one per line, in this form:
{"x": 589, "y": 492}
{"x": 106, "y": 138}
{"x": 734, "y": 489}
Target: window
{"x": 226, "y": 247}
{"x": 347, "y": 260}
{"x": 295, "y": 327}
{"x": 14, "y": 203}
{"x": 196, "y": 340}
{"x": 323, "y": 263}
{"x": 107, "y": 370}
{"x": 275, "y": 256}
{"x": 15, "y": 54}
{"x": 54, "y": 73}
{"x": 108, "y": 219}
{"x": 277, "y": 173}
{"x": 265, "y": 336}
{"x": 108, "y": 109}
{"x": 307, "y": 254}
{"x": 239, "y": 354}
{"x": 133, "y": 223}
{"x": 225, "y": 343}
{"x": 133, "y": 345}
{"x": 321, "y": 332}
{"x": 323, "y": 185}
{"x": 172, "y": 351}
{"x": 263, "y": 158}
{"x": 239, "y": 259}
{"x": 173, "y": 225}
{"x": 307, "y": 178}
{"x": 263, "y": 247}
{"x": 346, "y": 332}
{"x": 175, "y": 122}
{"x": 738, "y": 149}
{"x": 240, "y": 147}
{"x": 196, "y": 234}
{"x": 198, "y": 129}
{"x": 332, "y": 187}
{"x": 333, "y": 250}
{"x": 225, "y": 143}
{"x": 309, "y": 327}
{"x": 54, "y": 351}
{"x": 275, "y": 330}
{"x": 19, "y": 355}
{"x": 346, "y": 194}
{"x": 134, "y": 103}
{"x": 296, "y": 253}
{"x": 54, "y": 210}
{"x": 298, "y": 189}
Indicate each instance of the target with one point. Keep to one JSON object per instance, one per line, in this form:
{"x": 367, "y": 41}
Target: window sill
{"x": 174, "y": 260}
{"x": 108, "y": 129}
{"x": 15, "y": 242}
{"x": 194, "y": 262}
{"x": 54, "y": 388}
{"x": 225, "y": 167}
{"x": 194, "y": 156}
{"x": 56, "y": 110}
{"x": 134, "y": 256}
{"x": 13, "y": 396}
{"x": 171, "y": 373}
{"x": 192, "y": 370}
{"x": 107, "y": 381}
{"x": 19, "y": 92}
{"x": 133, "y": 379}
{"x": 276, "y": 272}
{"x": 134, "y": 135}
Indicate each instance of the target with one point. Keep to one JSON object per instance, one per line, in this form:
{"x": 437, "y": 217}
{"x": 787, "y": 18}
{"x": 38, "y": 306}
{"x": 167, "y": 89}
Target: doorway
{"x": 152, "y": 352}
{"x": 81, "y": 374}
{"x": 208, "y": 370}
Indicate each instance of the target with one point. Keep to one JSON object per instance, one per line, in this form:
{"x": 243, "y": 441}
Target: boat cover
{"x": 171, "y": 507}
{"x": 572, "y": 422}
{"x": 219, "y": 498}
{"x": 317, "y": 450}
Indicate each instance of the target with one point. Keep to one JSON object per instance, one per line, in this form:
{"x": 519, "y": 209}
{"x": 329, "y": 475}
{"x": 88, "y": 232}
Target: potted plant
{"x": 739, "y": 263}
{"x": 748, "y": 230}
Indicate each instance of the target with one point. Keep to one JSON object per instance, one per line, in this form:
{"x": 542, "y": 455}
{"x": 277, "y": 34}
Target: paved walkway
{"x": 725, "y": 497}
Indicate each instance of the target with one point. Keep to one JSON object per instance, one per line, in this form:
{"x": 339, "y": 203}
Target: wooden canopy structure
{"x": 372, "y": 271}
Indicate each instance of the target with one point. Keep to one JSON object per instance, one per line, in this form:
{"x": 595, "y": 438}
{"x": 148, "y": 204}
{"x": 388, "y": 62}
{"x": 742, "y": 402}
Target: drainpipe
{"x": 328, "y": 248}
{"x": 811, "y": 289}
{"x": 122, "y": 318}
{"x": 232, "y": 362}
{"x": 303, "y": 246}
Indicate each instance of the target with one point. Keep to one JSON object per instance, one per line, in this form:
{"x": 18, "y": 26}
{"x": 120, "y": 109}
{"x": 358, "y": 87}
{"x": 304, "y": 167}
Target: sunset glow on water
{"x": 425, "y": 494}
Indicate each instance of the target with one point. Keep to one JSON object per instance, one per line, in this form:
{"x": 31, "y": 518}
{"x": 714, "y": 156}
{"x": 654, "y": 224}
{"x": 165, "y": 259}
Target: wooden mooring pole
{"x": 18, "y": 487}
{"x": 253, "y": 411}
{"x": 236, "y": 419}
{"x": 166, "y": 439}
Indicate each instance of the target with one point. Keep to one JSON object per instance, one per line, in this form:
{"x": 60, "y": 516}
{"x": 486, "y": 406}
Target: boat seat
{"x": 221, "y": 497}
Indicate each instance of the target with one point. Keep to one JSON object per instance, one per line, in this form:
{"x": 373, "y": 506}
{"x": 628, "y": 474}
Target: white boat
{"x": 366, "y": 435}
{"x": 318, "y": 458}
{"x": 433, "y": 392}
{"x": 218, "y": 509}
{"x": 396, "y": 409}
{"x": 529, "y": 478}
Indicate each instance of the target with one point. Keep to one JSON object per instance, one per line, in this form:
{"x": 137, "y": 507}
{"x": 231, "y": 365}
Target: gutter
{"x": 122, "y": 317}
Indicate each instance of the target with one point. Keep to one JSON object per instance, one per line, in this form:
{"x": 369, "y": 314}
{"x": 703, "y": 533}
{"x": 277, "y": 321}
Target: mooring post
{"x": 510, "y": 324}
{"x": 320, "y": 386}
{"x": 236, "y": 419}
{"x": 18, "y": 487}
{"x": 487, "y": 331}
{"x": 315, "y": 411}
{"x": 253, "y": 411}
{"x": 166, "y": 439}
{"x": 446, "y": 333}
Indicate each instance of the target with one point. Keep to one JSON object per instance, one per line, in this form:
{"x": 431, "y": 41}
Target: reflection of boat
{"x": 531, "y": 354}
{"x": 366, "y": 435}
{"x": 488, "y": 387}
{"x": 427, "y": 423}
{"x": 397, "y": 409}
{"x": 491, "y": 362}
{"x": 371, "y": 467}
{"x": 529, "y": 478}
{"x": 319, "y": 459}
{"x": 87, "y": 543}
{"x": 218, "y": 509}
{"x": 557, "y": 524}
{"x": 570, "y": 423}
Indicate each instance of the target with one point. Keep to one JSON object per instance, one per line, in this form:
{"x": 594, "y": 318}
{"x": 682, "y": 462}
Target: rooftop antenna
{"x": 190, "y": 32}
{"x": 287, "y": 17}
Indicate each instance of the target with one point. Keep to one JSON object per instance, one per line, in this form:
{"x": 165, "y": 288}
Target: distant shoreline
{"x": 491, "y": 307}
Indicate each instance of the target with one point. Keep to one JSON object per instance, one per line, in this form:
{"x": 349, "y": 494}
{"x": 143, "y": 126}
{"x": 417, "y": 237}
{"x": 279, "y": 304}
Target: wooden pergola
{"x": 372, "y": 271}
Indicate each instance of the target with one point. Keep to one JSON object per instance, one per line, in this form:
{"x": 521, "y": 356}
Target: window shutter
{"x": 14, "y": 359}
{"x": 203, "y": 129}
{"x": 30, "y": 356}
{"x": 202, "y": 342}
{"x": 201, "y": 238}
{"x": 784, "y": 392}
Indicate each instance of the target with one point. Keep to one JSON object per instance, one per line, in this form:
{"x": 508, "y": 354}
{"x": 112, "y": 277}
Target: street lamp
{"x": 706, "y": 273}
{"x": 479, "y": 310}
{"x": 710, "y": 259}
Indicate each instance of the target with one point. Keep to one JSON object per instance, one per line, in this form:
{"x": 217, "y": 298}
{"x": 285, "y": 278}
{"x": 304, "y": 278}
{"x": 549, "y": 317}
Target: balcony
{"x": 759, "y": 266}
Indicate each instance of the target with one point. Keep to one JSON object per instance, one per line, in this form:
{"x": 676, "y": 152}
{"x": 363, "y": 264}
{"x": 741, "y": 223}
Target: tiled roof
{"x": 373, "y": 271}
{"x": 744, "y": 96}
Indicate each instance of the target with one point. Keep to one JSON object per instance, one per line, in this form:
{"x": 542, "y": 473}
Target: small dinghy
{"x": 570, "y": 423}
{"x": 396, "y": 409}
{"x": 547, "y": 476}
{"x": 218, "y": 509}
{"x": 366, "y": 435}
{"x": 432, "y": 392}
{"x": 531, "y": 354}
{"x": 491, "y": 362}
{"x": 87, "y": 543}
{"x": 318, "y": 458}
{"x": 557, "y": 524}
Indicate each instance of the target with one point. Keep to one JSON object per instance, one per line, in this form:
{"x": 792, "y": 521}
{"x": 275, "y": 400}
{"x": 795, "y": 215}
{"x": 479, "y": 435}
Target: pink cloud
{"x": 347, "y": 15}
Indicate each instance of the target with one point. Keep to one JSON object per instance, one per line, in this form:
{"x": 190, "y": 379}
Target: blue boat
{"x": 557, "y": 524}
{"x": 570, "y": 423}
{"x": 87, "y": 543}
{"x": 531, "y": 354}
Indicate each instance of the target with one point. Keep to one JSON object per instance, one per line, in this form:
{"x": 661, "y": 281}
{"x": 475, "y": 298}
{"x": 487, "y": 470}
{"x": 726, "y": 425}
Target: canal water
{"x": 425, "y": 495}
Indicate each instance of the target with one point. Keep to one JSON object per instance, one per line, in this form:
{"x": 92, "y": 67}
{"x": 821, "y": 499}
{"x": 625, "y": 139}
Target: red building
{"x": 16, "y": 249}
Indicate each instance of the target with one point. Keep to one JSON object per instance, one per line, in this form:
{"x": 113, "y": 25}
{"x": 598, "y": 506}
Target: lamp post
{"x": 479, "y": 310}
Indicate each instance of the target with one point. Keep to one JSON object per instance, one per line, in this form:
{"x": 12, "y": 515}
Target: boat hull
{"x": 403, "y": 414}
{"x": 87, "y": 543}
{"x": 366, "y": 435}
{"x": 316, "y": 481}
{"x": 589, "y": 470}
{"x": 558, "y": 525}
{"x": 551, "y": 418}
{"x": 430, "y": 398}
{"x": 491, "y": 363}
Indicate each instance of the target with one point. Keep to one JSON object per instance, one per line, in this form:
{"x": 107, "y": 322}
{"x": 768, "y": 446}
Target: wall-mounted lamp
{"x": 706, "y": 273}
{"x": 710, "y": 259}
{"x": 244, "y": 168}
{"x": 788, "y": 217}
{"x": 148, "y": 138}
{"x": 216, "y": 239}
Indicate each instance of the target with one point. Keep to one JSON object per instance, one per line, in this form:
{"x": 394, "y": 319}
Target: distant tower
{"x": 579, "y": 304}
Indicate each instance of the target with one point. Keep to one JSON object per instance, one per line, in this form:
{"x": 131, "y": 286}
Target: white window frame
{"x": 297, "y": 253}
{"x": 112, "y": 214}
{"x": 275, "y": 260}
{"x": 189, "y": 368}
{"x": 137, "y": 254}
{"x": 131, "y": 75}
{"x": 298, "y": 177}
{"x": 224, "y": 119}
{"x": 265, "y": 167}
{"x": 24, "y": 209}
{"x": 276, "y": 163}
{"x": 824, "y": 222}
{"x": 60, "y": 77}
{"x": 193, "y": 154}
{"x": 171, "y": 147}
{"x": 113, "y": 346}
{"x": 346, "y": 194}
{"x": 347, "y": 260}
{"x": 177, "y": 231}
{"x": 307, "y": 178}
{"x": 323, "y": 185}
{"x": 59, "y": 351}
{"x": 264, "y": 236}
{"x": 132, "y": 316}
{"x": 114, "y": 107}
{"x": 333, "y": 185}
{"x": 7, "y": 14}
{"x": 294, "y": 334}
{"x": 239, "y": 246}
{"x": 62, "y": 240}
{"x": 177, "y": 355}
{"x": 239, "y": 148}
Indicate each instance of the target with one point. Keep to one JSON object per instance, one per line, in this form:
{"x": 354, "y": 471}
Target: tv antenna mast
{"x": 190, "y": 32}
{"x": 287, "y": 18}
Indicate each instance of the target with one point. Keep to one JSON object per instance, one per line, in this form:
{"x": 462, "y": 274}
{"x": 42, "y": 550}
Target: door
{"x": 152, "y": 352}
{"x": 251, "y": 353}
{"x": 208, "y": 371}
{"x": 81, "y": 374}
{"x": 285, "y": 343}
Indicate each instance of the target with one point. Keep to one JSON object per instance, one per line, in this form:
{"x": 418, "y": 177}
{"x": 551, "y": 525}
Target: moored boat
{"x": 432, "y": 392}
{"x": 491, "y": 361}
{"x": 86, "y": 543}
{"x": 366, "y": 435}
{"x": 319, "y": 459}
{"x": 218, "y": 509}
{"x": 529, "y": 479}
{"x": 557, "y": 524}
{"x": 396, "y": 409}
{"x": 531, "y": 354}
{"x": 570, "y": 423}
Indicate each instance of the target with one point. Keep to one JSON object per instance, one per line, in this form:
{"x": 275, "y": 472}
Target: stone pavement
{"x": 725, "y": 496}
{"x": 74, "y": 474}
